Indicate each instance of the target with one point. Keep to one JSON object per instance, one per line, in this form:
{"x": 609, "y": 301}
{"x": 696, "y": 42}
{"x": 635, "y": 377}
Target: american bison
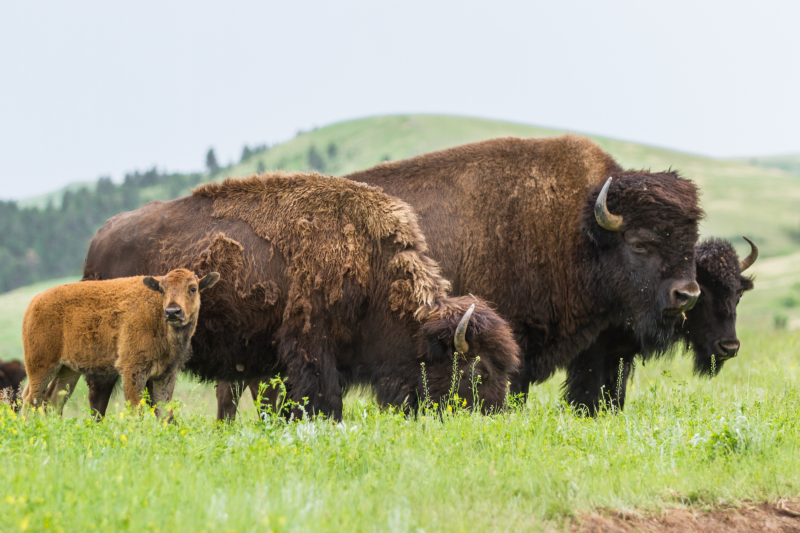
{"x": 325, "y": 281}
{"x": 137, "y": 327}
{"x": 11, "y": 375}
{"x": 564, "y": 241}
{"x": 709, "y": 329}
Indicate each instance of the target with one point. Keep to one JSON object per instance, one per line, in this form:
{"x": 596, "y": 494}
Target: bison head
{"x": 641, "y": 229}
{"x": 482, "y": 344}
{"x": 710, "y": 327}
{"x": 180, "y": 293}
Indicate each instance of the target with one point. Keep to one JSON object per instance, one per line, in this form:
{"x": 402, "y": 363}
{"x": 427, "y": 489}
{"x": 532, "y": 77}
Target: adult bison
{"x": 600, "y": 373}
{"x": 324, "y": 280}
{"x": 564, "y": 241}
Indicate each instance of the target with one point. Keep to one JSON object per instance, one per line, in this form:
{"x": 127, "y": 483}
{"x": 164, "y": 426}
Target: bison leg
{"x": 62, "y": 387}
{"x": 100, "y": 389}
{"x": 133, "y": 383}
{"x": 313, "y": 374}
{"x": 271, "y": 396}
{"x": 593, "y": 378}
{"x": 228, "y": 395}
{"x": 38, "y": 380}
{"x": 162, "y": 392}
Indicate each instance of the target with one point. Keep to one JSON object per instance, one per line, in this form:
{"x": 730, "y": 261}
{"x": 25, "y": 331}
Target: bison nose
{"x": 729, "y": 348}
{"x": 173, "y": 313}
{"x": 683, "y": 298}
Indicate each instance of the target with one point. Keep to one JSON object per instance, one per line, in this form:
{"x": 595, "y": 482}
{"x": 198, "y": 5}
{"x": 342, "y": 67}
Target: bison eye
{"x": 193, "y": 289}
{"x": 639, "y": 248}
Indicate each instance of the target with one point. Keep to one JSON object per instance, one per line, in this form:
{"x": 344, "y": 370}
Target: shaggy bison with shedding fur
{"x": 709, "y": 329}
{"x": 324, "y": 280}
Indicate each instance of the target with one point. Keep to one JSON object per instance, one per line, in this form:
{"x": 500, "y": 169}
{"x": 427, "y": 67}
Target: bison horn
{"x": 748, "y": 261}
{"x": 460, "y": 340}
{"x": 604, "y": 218}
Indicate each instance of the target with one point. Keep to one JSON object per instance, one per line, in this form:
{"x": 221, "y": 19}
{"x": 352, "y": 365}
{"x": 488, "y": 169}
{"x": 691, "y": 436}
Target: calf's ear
{"x": 209, "y": 280}
{"x": 151, "y": 283}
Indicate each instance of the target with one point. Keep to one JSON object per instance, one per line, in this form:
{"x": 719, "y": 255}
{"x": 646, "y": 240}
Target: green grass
{"x": 681, "y": 441}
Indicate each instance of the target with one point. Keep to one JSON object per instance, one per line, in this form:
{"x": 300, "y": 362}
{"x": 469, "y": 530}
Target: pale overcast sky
{"x": 101, "y": 88}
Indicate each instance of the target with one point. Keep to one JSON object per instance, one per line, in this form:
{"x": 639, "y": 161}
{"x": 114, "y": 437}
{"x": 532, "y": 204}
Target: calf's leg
{"x": 62, "y": 387}
{"x": 162, "y": 392}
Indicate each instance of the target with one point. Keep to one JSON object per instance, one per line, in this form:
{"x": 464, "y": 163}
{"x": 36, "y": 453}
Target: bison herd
{"x": 480, "y": 269}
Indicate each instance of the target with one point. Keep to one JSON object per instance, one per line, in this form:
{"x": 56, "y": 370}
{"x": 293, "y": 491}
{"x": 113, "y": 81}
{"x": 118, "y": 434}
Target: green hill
{"x": 789, "y": 163}
{"x": 55, "y": 198}
{"x": 740, "y": 198}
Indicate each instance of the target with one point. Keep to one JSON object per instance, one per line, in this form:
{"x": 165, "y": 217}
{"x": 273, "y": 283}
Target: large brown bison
{"x": 565, "y": 242}
{"x": 709, "y": 329}
{"x": 324, "y": 280}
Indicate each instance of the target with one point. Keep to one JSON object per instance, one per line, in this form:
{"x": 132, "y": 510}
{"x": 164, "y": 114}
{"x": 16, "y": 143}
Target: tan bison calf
{"x": 139, "y": 328}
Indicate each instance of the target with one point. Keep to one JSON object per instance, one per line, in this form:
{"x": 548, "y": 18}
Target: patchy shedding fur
{"x": 326, "y": 240}
{"x": 329, "y": 285}
{"x": 115, "y": 327}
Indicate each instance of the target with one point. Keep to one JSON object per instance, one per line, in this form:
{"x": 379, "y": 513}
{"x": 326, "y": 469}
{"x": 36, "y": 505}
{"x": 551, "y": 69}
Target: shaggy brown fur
{"x": 512, "y": 220}
{"x": 329, "y": 285}
{"x": 137, "y": 327}
{"x": 11, "y": 375}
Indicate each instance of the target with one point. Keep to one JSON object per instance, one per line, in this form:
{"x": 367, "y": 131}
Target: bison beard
{"x": 709, "y": 329}
{"x": 323, "y": 280}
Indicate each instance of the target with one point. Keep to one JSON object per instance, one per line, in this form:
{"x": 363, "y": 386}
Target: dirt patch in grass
{"x": 782, "y": 516}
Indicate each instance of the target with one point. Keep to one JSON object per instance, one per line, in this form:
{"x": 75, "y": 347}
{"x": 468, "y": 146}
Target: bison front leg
{"x": 598, "y": 377}
{"x": 313, "y": 375}
{"x": 228, "y": 396}
{"x": 134, "y": 381}
{"x": 162, "y": 392}
{"x": 100, "y": 389}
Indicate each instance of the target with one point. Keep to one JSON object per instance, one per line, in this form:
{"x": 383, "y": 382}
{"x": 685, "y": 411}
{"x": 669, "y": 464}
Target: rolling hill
{"x": 758, "y": 200}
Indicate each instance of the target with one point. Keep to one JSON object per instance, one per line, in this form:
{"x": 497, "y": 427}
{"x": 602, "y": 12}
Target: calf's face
{"x": 180, "y": 294}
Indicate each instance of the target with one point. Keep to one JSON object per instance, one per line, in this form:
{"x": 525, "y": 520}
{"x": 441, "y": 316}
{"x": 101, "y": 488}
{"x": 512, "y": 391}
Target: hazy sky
{"x": 101, "y": 88}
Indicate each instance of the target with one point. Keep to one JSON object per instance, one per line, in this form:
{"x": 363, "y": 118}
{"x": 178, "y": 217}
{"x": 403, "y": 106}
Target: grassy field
{"x": 681, "y": 441}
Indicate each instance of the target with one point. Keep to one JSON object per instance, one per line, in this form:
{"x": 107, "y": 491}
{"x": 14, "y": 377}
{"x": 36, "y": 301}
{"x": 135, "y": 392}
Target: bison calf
{"x": 139, "y": 328}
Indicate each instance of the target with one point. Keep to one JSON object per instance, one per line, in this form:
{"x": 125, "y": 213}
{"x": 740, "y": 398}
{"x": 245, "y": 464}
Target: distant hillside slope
{"x": 740, "y": 199}
{"x": 789, "y": 163}
{"x": 762, "y": 202}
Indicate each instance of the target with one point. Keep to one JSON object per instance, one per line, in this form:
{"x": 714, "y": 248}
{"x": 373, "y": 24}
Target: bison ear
{"x": 151, "y": 283}
{"x": 209, "y": 281}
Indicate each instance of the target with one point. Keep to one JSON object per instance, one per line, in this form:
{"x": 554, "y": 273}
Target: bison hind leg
{"x": 38, "y": 380}
{"x": 62, "y": 387}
